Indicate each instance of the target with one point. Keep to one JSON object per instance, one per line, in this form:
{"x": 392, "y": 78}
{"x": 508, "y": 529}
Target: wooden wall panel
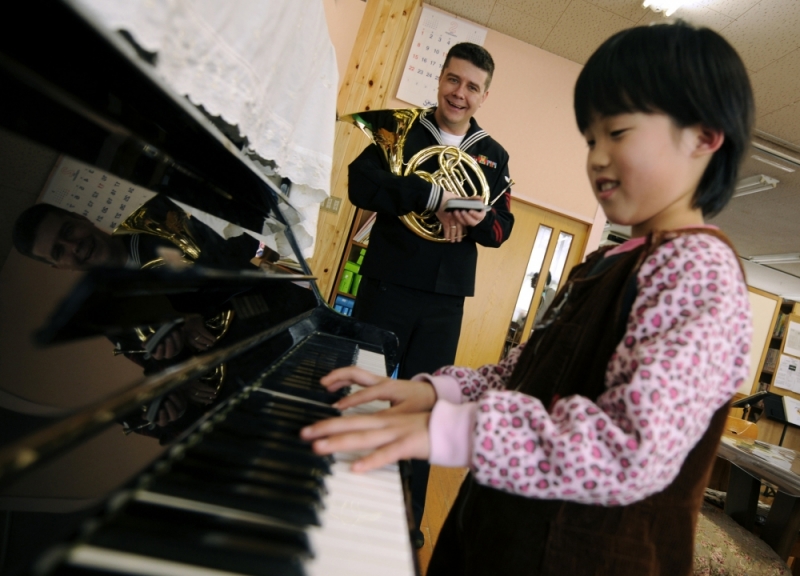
{"x": 374, "y": 64}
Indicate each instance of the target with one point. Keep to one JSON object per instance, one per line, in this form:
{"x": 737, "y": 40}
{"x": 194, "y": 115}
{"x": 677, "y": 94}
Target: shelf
{"x": 359, "y": 244}
{"x": 346, "y": 295}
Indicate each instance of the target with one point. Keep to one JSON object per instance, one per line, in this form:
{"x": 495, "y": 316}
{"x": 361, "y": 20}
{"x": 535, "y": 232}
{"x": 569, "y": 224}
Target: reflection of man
{"x": 71, "y": 242}
{"x": 412, "y": 286}
{"x": 68, "y": 241}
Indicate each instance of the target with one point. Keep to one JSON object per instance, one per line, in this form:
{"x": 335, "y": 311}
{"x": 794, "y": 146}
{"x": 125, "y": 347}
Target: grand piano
{"x": 100, "y": 486}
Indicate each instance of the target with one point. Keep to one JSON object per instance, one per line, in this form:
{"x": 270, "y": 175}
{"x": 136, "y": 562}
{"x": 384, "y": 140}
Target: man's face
{"x": 462, "y": 90}
{"x": 71, "y": 242}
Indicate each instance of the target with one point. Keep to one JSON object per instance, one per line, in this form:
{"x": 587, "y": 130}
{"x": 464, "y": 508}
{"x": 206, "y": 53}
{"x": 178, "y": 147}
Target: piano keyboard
{"x": 364, "y": 524}
{"x": 245, "y": 496}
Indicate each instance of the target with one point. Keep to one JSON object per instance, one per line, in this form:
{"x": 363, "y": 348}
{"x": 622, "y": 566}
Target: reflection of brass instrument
{"x": 388, "y": 130}
{"x": 173, "y": 228}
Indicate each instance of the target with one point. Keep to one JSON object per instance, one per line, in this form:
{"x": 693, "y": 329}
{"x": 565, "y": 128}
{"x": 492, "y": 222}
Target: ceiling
{"x": 766, "y": 33}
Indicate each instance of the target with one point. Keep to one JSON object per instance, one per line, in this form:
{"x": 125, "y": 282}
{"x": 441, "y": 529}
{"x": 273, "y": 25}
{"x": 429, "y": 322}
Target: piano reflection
{"x": 224, "y": 345}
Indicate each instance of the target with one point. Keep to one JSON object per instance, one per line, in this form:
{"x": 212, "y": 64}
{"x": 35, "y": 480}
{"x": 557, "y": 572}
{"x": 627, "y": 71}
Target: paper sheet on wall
{"x": 792, "y": 409}
{"x": 788, "y": 374}
{"x": 792, "y": 344}
{"x": 436, "y": 33}
{"x": 99, "y": 196}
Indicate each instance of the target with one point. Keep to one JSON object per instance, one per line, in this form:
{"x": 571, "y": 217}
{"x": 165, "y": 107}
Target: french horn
{"x": 173, "y": 227}
{"x": 388, "y": 130}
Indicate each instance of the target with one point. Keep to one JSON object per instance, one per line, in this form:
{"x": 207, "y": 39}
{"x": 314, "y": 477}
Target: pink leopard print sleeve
{"x": 684, "y": 354}
{"x": 475, "y": 383}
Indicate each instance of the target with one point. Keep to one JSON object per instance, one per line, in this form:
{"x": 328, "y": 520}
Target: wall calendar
{"x": 103, "y": 198}
{"x": 436, "y": 33}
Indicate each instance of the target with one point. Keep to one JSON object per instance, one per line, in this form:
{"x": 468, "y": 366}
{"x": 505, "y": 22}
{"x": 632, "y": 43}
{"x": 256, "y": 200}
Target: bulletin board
{"x": 103, "y": 198}
{"x": 436, "y": 33}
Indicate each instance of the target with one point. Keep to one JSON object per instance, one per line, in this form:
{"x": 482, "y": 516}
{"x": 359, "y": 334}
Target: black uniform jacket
{"x": 398, "y": 255}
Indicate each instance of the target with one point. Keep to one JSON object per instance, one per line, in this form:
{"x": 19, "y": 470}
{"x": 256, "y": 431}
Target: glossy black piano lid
{"x": 71, "y": 89}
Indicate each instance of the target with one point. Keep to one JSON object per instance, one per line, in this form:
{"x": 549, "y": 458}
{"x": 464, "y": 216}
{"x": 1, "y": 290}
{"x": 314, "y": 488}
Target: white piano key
{"x": 371, "y": 361}
{"x": 363, "y": 532}
{"x": 364, "y": 526}
{"x": 97, "y": 558}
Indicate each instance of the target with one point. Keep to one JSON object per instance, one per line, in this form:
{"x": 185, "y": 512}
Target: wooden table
{"x": 754, "y": 462}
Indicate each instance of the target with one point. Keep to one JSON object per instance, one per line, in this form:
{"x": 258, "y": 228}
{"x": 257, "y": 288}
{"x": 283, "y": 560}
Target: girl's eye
{"x": 590, "y": 143}
{"x": 617, "y": 133}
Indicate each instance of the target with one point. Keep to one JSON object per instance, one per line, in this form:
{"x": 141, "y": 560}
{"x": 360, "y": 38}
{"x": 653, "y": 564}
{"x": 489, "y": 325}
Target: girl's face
{"x": 644, "y": 170}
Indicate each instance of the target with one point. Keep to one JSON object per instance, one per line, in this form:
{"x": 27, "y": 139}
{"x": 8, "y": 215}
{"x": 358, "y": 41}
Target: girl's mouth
{"x": 606, "y": 188}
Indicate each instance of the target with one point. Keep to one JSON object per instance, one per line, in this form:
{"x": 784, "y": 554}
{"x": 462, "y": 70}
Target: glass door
{"x": 512, "y": 286}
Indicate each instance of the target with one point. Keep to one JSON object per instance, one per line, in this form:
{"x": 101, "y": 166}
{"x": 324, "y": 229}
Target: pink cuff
{"x": 447, "y": 388}
{"x": 451, "y": 430}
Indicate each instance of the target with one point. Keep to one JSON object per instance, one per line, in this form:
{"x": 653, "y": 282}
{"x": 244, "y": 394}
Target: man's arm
{"x": 372, "y": 187}
{"x": 496, "y": 225}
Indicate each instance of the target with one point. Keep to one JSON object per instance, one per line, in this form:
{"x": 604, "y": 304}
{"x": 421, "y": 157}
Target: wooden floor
{"x": 443, "y": 486}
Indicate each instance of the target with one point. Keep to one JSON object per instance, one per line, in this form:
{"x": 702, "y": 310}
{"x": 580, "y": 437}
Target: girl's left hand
{"x": 393, "y": 436}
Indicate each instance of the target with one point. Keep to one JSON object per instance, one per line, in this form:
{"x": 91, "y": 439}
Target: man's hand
{"x": 170, "y": 346}
{"x": 172, "y": 408}
{"x": 196, "y": 334}
{"x": 393, "y": 436}
{"x": 406, "y": 396}
{"x": 456, "y": 222}
{"x": 200, "y": 393}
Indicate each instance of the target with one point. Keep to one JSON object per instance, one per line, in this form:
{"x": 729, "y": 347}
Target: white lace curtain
{"x": 265, "y": 66}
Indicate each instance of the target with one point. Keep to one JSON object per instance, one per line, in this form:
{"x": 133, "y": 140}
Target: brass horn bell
{"x": 388, "y": 130}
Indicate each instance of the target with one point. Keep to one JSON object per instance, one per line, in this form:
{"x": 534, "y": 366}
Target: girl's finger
{"x": 341, "y": 425}
{"x": 348, "y": 375}
{"x": 362, "y": 397}
{"x": 357, "y": 440}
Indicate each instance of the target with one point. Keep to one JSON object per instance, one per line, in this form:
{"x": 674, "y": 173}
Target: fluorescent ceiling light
{"x": 783, "y": 167}
{"x": 753, "y": 184}
{"x": 668, "y": 7}
{"x": 791, "y": 258}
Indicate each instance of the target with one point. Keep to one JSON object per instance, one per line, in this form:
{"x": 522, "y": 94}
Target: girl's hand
{"x": 393, "y": 436}
{"x": 405, "y": 395}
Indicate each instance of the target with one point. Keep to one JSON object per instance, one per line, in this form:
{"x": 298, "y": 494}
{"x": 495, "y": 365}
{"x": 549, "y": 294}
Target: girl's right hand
{"x": 405, "y": 396}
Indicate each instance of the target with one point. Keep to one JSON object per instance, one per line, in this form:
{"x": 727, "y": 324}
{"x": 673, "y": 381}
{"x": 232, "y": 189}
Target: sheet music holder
{"x": 749, "y": 400}
{"x": 775, "y": 409}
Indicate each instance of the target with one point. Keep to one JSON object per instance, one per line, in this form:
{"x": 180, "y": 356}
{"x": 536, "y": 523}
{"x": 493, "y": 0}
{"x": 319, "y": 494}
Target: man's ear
{"x": 485, "y": 96}
{"x": 708, "y": 141}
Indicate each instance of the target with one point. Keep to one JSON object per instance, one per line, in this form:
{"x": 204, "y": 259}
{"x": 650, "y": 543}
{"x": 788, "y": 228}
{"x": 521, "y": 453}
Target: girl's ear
{"x": 708, "y": 140}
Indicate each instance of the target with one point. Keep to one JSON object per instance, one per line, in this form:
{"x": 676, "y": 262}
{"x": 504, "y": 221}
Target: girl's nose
{"x": 598, "y": 158}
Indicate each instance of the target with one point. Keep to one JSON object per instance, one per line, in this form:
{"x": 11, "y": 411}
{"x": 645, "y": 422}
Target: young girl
{"x": 589, "y": 447}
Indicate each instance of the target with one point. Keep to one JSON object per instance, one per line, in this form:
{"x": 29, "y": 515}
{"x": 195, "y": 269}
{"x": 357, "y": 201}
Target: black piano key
{"x": 205, "y": 540}
{"x": 280, "y": 504}
{"x": 304, "y": 390}
{"x": 195, "y": 467}
{"x": 264, "y": 399}
{"x": 235, "y": 454}
{"x": 245, "y": 425}
{"x": 269, "y": 448}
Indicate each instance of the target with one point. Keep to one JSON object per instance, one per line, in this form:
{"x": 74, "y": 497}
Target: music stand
{"x": 748, "y": 402}
{"x": 775, "y": 410}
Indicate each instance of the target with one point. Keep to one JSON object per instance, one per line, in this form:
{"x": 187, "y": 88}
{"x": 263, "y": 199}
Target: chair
{"x": 739, "y": 428}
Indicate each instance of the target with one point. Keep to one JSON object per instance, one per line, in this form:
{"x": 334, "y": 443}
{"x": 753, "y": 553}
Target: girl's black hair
{"x": 691, "y": 74}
